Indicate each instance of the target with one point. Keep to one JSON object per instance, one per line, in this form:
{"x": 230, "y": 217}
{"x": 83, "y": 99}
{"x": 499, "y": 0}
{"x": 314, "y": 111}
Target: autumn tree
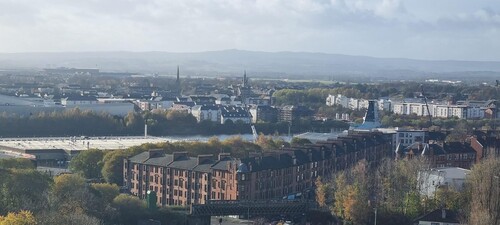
{"x": 484, "y": 183}
{"x": 20, "y": 218}
{"x": 23, "y": 189}
{"x": 321, "y": 192}
{"x": 352, "y": 194}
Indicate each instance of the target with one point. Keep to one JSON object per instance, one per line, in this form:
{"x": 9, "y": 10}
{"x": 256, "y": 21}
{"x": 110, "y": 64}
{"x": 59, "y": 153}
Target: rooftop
{"x": 78, "y": 143}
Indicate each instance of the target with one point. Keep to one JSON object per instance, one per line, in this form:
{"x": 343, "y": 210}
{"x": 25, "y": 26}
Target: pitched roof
{"x": 437, "y": 216}
{"x": 181, "y": 162}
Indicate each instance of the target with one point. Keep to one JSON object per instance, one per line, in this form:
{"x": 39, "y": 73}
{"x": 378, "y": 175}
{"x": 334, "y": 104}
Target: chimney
{"x": 224, "y": 155}
{"x": 443, "y": 213}
{"x": 153, "y": 153}
{"x": 202, "y": 159}
{"x": 178, "y": 155}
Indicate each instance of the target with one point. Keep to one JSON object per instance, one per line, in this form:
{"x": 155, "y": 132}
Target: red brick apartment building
{"x": 440, "y": 154}
{"x": 181, "y": 180}
{"x": 486, "y": 144}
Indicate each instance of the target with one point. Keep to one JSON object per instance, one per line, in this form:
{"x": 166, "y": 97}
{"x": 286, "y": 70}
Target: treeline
{"x": 315, "y": 97}
{"x": 393, "y": 189}
{"x": 30, "y": 197}
{"x": 76, "y": 122}
{"x": 72, "y": 122}
{"x": 418, "y": 122}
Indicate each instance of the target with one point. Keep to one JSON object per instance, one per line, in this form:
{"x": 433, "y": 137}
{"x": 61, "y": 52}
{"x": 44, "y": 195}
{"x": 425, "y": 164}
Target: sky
{"x": 419, "y": 29}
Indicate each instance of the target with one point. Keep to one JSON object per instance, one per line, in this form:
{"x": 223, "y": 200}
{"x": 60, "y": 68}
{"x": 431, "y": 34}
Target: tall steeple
{"x": 245, "y": 78}
{"x": 178, "y": 81}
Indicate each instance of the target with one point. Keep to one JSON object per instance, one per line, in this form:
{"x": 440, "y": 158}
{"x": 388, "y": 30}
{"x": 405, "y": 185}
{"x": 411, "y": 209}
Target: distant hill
{"x": 233, "y": 62}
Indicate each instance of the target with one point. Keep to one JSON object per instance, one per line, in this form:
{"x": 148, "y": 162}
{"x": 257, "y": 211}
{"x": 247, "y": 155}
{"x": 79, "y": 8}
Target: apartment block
{"x": 179, "y": 179}
{"x": 182, "y": 180}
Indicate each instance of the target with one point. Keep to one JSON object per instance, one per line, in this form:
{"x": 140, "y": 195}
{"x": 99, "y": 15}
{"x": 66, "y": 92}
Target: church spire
{"x": 245, "y": 78}
{"x": 178, "y": 82}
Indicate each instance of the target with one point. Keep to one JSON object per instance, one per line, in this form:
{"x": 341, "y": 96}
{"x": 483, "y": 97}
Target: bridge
{"x": 246, "y": 208}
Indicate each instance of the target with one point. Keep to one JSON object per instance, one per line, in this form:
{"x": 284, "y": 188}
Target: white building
{"x": 349, "y": 103}
{"x": 338, "y": 100}
{"x": 235, "y": 114}
{"x": 330, "y": 100}
{"x": 206, "y": 112}
{"x": 117, "y": 109}
{"x": 385, "y": 104}
{"x": 452, "y": 177}
{"x": 78, "y": 100}
{"x": 446, "y": 111}
{"x": 409, "y": 108}
{"x": 408, "y": 137}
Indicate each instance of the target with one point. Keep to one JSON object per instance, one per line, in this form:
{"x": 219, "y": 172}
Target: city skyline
{"x": 466, "y": 30}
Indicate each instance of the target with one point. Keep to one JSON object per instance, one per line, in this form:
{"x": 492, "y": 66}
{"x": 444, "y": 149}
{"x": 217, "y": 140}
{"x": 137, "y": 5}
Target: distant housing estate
{"x": 416, "y": 106}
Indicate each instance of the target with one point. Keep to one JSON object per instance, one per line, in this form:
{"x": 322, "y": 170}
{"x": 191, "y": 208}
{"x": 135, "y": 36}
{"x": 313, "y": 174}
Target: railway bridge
{"x": 200, "y": 214}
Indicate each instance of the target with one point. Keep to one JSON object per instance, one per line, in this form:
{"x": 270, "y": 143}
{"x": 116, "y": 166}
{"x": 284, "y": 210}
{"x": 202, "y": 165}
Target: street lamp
{"x": 497, "y": 205}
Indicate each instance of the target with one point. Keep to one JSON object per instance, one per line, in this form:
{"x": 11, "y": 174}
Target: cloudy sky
{"x": 422, "y": 29}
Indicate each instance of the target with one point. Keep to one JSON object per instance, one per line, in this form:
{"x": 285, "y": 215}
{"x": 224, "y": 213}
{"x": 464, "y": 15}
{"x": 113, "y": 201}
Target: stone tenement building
{"x": 181, "y": 180}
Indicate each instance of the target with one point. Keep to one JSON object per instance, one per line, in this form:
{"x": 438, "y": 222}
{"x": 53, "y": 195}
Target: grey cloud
{"x": 394, "y": 28}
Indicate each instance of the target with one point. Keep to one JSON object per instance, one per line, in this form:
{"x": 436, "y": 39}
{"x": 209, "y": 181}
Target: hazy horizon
{"x": 412, "y": 29}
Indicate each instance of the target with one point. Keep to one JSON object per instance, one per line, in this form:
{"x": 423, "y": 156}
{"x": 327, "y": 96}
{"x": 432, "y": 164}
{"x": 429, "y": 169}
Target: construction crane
{"x": 426, "y": 105}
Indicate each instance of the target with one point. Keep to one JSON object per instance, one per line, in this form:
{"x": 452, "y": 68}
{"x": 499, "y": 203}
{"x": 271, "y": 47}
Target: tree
{"x": 107, "y": 192}
{"x": 23, "y": 189}
{"x": 321, "y": 192}
{"x": 352, "y": 194}
{"x": 130, "y": 208}
{"x": 20, "y": 218}
{"x": 70, "y": 193}
{"x": 17, "y": 163}
{"x": 80, "y": 218}
{"x": 88, "y": 163}
{"x": 267, "y": 142}
{"x": 112, "y": 164}
{"x": 296, "y": 141}
{"x": 484, "y": 183}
